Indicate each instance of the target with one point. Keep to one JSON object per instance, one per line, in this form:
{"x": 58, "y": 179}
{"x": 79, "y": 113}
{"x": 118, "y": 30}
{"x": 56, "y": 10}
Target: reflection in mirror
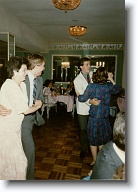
{"x": 107, "y": 61}
{"x": 65, "y": 67}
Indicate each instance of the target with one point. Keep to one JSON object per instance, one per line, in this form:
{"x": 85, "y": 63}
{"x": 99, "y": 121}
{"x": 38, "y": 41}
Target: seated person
{"x": 47, "y": 87}
{"x": 48, "y": 91}
{"x": 112, "y": 154}
{"x": 70, "y": 89}
{"x": 54, "y": 87}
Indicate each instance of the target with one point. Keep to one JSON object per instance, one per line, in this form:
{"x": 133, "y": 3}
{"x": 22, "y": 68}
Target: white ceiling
{"x": 104, "y": 19}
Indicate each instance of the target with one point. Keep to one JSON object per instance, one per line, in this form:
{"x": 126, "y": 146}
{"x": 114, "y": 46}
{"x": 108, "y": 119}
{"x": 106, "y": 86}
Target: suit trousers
{"x": 28, "y": 144}
{"x": 83, "y": 121}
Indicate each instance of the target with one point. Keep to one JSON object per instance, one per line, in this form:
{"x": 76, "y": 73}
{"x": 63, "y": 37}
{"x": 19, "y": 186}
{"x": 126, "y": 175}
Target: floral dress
{"x": 99, "y": 131}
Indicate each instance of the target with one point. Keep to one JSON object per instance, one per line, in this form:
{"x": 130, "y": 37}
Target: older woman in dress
{"x": 13, "y": 162}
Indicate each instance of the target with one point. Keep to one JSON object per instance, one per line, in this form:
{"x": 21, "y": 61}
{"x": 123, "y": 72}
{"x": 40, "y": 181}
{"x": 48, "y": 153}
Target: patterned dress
{"x": 99, "y": 131}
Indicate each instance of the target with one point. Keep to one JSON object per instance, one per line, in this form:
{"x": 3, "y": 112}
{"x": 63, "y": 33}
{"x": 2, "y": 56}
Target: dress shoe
{"x": 91, "y": 166}
{"x": 82, "y": 155}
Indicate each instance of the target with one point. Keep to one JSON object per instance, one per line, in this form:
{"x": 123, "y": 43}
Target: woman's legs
{"x": 94, "y": 153}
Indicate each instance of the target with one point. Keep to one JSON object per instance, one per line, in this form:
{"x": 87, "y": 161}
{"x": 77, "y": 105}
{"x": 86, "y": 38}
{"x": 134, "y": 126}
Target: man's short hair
{"x": 35, "y": 59}
{"x": 83, "y": 59}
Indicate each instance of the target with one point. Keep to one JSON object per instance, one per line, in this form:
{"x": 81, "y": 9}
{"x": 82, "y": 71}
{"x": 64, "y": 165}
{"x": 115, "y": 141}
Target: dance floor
{"x": 57, "y": 148}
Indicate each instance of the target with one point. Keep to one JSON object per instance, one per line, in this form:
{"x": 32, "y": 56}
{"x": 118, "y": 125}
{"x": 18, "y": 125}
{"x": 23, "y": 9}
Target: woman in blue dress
{"x": 99, "y": 131}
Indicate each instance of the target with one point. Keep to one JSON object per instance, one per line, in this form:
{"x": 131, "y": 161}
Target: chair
{"x": 48, "y": 105}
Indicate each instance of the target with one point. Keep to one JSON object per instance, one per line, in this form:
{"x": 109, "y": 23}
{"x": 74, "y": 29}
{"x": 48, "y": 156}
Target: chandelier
{"x": 66, "y": 4}
{"x": 77, "y": 30}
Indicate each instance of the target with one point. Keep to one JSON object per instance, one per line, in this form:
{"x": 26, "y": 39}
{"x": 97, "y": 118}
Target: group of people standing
{"x": 21, "y": 96}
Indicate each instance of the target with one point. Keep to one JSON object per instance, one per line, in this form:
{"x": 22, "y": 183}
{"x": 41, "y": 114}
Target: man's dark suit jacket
{"x": 39, "y": 96}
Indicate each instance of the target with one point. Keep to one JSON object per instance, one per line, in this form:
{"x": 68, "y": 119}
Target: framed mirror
{"x": 107, "y": 61}
{"x": 65, "y": 67}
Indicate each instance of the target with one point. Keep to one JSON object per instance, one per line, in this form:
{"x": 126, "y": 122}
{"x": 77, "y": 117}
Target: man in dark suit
{"x": 34, "y": 86}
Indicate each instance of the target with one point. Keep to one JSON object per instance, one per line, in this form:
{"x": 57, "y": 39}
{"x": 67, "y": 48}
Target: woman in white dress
{"x": 13, "y": 162}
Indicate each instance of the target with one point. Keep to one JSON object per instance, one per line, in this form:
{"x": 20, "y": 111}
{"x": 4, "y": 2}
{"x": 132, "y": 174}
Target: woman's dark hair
{"x": 14, "y": 64}
{"x": 47, "y": 82}
{"x": 100, "y": 76}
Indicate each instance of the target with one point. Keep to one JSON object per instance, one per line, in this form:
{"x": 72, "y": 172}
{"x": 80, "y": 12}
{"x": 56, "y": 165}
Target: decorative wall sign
{"x": 87, "y": 47}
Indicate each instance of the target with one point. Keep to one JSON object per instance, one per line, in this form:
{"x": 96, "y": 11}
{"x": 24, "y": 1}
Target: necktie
{"x": 34, "y": 90}
{"x": 88, "y": 78}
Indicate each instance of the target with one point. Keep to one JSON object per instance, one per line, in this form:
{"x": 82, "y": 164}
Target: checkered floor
{"x": 58, "y": 147}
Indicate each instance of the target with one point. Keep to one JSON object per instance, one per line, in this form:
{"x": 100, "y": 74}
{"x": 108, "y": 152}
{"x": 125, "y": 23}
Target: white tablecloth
{"x": 68, "y": 100}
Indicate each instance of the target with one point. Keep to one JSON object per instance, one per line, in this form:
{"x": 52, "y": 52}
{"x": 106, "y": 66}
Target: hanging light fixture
{"x": 77, "y": 30}
{"x": 66, "y": 4}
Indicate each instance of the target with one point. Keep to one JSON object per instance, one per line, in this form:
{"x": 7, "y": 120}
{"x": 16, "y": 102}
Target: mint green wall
{"x": 48, "y": 56}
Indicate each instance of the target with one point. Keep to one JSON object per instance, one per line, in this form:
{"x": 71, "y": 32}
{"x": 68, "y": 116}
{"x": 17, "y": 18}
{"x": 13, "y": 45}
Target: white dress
{"x": 13, "y": 162}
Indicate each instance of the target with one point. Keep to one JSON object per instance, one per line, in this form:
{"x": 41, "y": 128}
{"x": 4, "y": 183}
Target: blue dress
{"x": 99, "y": 131}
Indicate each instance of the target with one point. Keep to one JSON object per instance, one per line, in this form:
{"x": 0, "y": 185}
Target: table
{"x": 68, "y": 100}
